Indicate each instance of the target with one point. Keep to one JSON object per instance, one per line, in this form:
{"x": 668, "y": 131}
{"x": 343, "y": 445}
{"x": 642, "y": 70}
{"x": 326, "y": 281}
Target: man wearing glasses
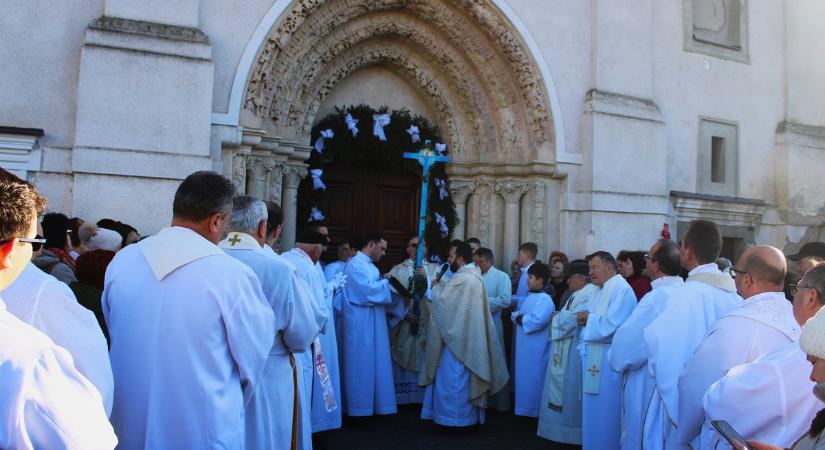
{"x": 763, "y": 323}
{"x": 770, "y": 399}
{"x": 45, "y": 402}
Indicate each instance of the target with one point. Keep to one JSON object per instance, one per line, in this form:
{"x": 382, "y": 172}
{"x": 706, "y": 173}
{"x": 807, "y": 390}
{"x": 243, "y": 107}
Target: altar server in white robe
{"x": 628, "y": 355}
{"x": 191, "y": 329}
{"x": 560, "y": 416}
{"x": 48, "y": 304}
{"x": 601, "y": 385}
{"x": 763, "y": 323}
{"x": 464, "y": 362}
{"x": 44, "y": 401}
{"x": 275, "y": 408}
{"x": 325, "y": 380}
{"x": 532, "y": 344}
{"x": 367, "y": 374}
{"x": 673, "y": 337}
{"x": 499, "y": 292}
{"x": 527, "y": 253}
{"x": 408, "y": 337}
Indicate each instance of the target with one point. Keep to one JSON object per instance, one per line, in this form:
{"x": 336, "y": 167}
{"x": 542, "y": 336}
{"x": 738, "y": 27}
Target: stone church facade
{"x": 577, "y": 125}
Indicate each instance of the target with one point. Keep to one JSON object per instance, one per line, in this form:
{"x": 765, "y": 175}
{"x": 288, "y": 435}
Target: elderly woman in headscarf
{"x": 93, "y": 237}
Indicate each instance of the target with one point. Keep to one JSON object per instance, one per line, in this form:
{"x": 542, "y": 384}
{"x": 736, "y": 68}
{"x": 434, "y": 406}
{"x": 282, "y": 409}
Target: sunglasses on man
{"x": 37, "y": 242}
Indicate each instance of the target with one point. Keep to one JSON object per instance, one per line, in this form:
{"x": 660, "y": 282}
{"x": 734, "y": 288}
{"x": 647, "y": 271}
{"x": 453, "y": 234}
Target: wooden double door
{"x": 365, "y": 198}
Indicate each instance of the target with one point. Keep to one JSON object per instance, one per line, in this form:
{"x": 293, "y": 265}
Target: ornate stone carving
{"x": 539, "y": 211}
{"x": 460, "y": 190}
{"x": 511, "y": 190}
{"x": 238, "y": 174}
{"x": 293, "y": 176}
{"x": 274, "y": 169}
{"x": 465, "y": 57}
{"x": 484, "y": 187}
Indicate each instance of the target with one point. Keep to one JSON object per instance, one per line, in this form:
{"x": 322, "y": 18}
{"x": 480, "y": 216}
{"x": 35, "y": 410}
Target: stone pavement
{"x": 405, "y": 431}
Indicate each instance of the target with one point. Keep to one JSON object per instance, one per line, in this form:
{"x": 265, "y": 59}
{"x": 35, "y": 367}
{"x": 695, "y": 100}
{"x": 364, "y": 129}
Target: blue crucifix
{"x": 426, "y": 157}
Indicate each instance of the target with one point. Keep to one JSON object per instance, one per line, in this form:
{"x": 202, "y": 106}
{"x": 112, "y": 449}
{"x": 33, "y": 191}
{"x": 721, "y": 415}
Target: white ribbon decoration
{"x": 414, "y": 133}
{"x": 442, "y": 223}
{"x": 380, "y": 121}
{"x": 442, "y": 188}
{"x": 440, "y": 148}
{"x": 351, "y": 124}
{"x": 315, "y": 215}
{"x": 316, "y": 179}
{"x": 319, "y": 143}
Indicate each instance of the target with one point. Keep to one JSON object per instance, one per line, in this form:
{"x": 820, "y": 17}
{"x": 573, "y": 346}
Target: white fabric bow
{"x": 319, "y": 143}
{"x": 316, "y": 179}
{"x": 440, "y": 148}
{"x": 442, "y": 223}
{"x": 414, "y": 134}
{"x": 338, "y": 281}
{"x": 442, "y": 188}
{"x": 351, "y": 124}
{"x": 315, "y": 215}
{"x": 380, "y": 120}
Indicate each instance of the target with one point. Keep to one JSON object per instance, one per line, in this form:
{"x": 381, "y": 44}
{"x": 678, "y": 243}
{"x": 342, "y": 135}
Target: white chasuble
{"x": 48, "y": 304}
{"x": 560, "y": 415}
{"x": 628, "y": 356}
{"x": 191, "y": 331}
{"x": 270, "y": 414}
{"x": 464, "y": 362}
{"x": 367, "y": 365}
{"x": 532, "y": 349}
{"x": 672, "y": 339}
{"x": 45, "y": 403}
{"x": 762, "y": 324}
{"x": 768, "y": 400}
{"x": 601, "y": 385}
{"x": 499, "y": 293}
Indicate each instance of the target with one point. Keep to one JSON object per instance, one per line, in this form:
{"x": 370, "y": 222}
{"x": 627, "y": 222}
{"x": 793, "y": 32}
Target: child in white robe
{"x": 532, "y": 343}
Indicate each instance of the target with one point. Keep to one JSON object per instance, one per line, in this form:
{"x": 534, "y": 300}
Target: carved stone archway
{"x": 473, "y": 68}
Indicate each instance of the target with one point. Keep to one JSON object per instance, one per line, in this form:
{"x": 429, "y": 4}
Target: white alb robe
{"x": 191, "y": 332}
{"x": 44, "y": 401}
{"x": 564, "y": 423}
{"x": 762, "y": 324}
{"x": 532, "y": 349}
{"x": 671, "y": 340}
{"x": 367, "y": 375}
{"x": 499, "y": 294}
{"x": 445, "y": 400}
{"x": 768, "y": 400}
{"x": 321, "y": 418}
{"x": 48, "y": 304}
{"x": 270, "y": 413}
{"x": 601, "y": 412}
{"x": 628, "y": 355}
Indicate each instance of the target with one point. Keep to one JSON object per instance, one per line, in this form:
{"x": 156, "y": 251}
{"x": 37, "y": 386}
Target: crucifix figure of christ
{"x": 426, "y": 157}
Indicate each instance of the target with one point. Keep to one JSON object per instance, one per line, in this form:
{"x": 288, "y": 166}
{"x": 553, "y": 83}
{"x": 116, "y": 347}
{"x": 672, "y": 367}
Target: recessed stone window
{"x": 718, "y": 157}
{"x": 717, "y": 28}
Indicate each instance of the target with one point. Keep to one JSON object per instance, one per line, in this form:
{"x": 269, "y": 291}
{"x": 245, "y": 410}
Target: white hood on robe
{"x": 175, "y": 247}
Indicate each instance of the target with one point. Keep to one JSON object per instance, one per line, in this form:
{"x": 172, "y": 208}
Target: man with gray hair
{"x": 273, "y": 417}
{"x": 190, "y": 328}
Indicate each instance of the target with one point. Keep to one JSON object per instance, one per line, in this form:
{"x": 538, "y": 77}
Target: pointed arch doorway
{"x": 372, "y": 197}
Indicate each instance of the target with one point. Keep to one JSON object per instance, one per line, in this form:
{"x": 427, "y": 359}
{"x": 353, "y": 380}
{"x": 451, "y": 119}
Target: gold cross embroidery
{"x": 234, "y": 239}
{"x": 593, "y": 370}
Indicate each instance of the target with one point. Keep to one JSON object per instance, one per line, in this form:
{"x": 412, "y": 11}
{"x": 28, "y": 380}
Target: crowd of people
{"x": 204, "y": 336}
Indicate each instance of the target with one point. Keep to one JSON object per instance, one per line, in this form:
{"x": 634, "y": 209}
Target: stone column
{"x": 292, "y": 178}
{"x": 274, "y": 180}
{"x": 460, "y": 190}
{"x": 256, "y": 176}
{"x": 511, "y": 190}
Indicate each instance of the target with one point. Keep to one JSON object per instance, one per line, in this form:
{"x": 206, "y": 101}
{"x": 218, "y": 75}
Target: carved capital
{"x": 460, "y": 190}
{"x": 511, "y": 190}
{"x": 293, "y": 176}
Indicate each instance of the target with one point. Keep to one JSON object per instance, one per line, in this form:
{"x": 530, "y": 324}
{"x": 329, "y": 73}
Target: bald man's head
{"x": 766, "y": 267}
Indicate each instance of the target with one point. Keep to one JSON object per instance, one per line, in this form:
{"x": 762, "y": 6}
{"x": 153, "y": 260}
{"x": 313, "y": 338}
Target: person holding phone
{"x": 812, "y": 341}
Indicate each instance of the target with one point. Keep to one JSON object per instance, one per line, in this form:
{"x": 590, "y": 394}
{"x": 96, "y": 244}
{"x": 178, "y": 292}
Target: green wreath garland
{"x": 365, "y": 147}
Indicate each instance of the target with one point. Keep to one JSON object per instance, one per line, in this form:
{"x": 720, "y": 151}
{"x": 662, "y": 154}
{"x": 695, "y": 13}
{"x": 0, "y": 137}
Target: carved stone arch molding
{"x": 465, "y": 56}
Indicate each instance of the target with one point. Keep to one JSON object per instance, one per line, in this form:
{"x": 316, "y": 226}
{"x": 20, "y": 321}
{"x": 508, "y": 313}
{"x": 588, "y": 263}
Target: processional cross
{"x": 426, "y": 157}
